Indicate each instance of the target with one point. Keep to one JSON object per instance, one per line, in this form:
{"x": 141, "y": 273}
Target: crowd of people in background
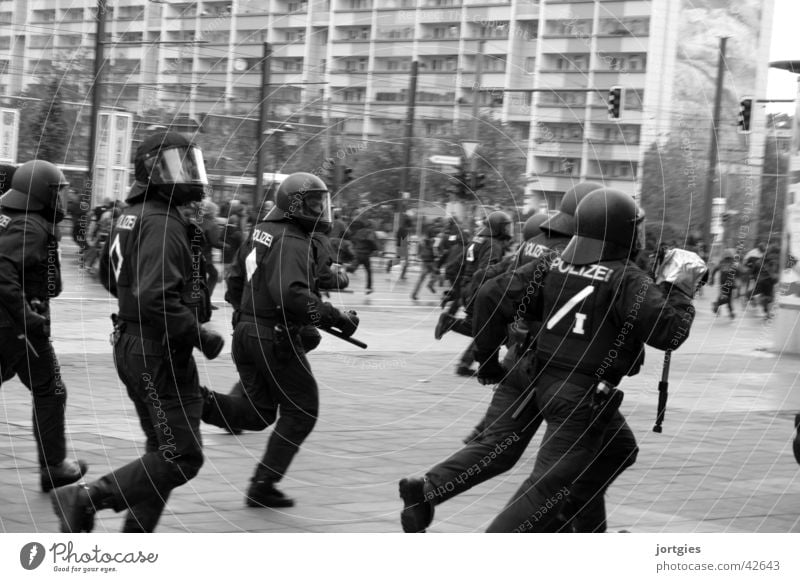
{"x": 369, "y": 240}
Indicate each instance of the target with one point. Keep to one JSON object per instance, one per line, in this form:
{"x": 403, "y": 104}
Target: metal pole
{"x": 476, "y": 98}
{"x": 97, "y": 88}
{"x": 258, "y": 195}
{"x": 713, "y": 148}
{"x": 412, "y": 100}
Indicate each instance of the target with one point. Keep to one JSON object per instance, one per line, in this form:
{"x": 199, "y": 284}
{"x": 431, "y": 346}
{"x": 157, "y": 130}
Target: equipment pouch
{"x": 119, "y": 327}
{"x": 606, "y": 400}
{"x": 282, "y": 342}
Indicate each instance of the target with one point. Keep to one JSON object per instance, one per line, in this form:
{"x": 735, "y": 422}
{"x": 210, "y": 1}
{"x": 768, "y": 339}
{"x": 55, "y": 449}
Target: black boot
{"x": 263, "y": 493}
{"x": 66, "y": 472}
{"x": 73, "y": 506}
{"x": 417, "y": 512}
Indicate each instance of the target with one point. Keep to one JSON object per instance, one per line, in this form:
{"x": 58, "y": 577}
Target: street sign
{"x": 9, "y": 133}
{"x": 445, "y": 160}
{"x": 469, "y": 148}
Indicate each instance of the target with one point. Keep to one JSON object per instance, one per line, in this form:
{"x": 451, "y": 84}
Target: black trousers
{"x": 500, "y": 444}
{"x": 579, "y": 458}
{"x": 362, "y": 259}
{"x": 278, "y": 384}
{"x": 41, "y": 374}
{"x": 164, "y": 387}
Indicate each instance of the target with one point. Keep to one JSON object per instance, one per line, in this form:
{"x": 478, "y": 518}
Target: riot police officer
{"x": 598, "y": 309}
{"x": 30, "y": 276}
{"x": 487, "y": 248}
{"x": 153, "y": 265}
{"x": 510, "y": 423}
{"x": 274, "y": 288}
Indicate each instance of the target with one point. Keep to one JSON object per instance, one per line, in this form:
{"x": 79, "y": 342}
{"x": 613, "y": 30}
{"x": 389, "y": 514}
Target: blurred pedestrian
{"x": 365, "y": 243}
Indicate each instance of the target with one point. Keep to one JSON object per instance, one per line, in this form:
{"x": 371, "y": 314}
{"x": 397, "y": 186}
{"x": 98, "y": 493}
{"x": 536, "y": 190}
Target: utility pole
{"x": 412, "y": 100}
{"x": 476, "y": 98}
{"x": 263, "y": 112}
{"x": 714, "y": 148}
{"x": 97, "y": 88}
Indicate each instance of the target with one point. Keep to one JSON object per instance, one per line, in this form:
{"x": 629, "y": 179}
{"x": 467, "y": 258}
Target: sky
{"x": 785, "y": 46}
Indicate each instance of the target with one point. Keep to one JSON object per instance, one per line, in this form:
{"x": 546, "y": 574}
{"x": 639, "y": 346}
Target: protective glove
{"x": 235, "y": 318}
{"x": 491, "y": 372}
{"x": 341, "y": 280}
{"x": 347, "y": 323}
{"x": 684, "y": 270}
{"x": 209, "y": 342}
{"x": 35, "y": 323}
{"x": 309, "y": 337}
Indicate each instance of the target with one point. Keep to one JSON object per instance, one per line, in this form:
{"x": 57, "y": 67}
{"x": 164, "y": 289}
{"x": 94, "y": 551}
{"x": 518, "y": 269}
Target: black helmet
{"x": 498, "y": 224}
{"x": 36, "y": 187}
{"x": 608, "y": 226}
{"x": 532, "y": 226}
{"x": 6, "y": 174}
{"x": 304, "y": 199}
{"x": 563, "y": 222}
{"x": 170, "y": 165}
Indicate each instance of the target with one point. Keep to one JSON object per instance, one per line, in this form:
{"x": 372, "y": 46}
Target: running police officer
{"x": 30, "y": 275}
{"x": 509, "y": 424}
{"x": 153, "y": 265}
{"x": 598, "y": 309}
{"x": 273, "y": 285}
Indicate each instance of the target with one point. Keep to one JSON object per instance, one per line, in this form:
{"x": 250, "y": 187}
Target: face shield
{"x": 317, "y": 205}
{"x": 58, "y": 201}
{"x": 178, "y": 165}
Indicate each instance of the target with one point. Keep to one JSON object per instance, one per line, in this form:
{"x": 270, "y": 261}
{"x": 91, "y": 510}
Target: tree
{"x": 46, "y": 127}
{"x": 673, "y": 179}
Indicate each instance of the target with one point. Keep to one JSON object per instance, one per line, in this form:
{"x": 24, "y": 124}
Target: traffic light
{"x": 478, "y": 181}
{"x": 615, "y": 97}
{"x": 347, "y": 175}
{"x": 745, "y": 111}
{"x": 330, "y": 172}
{"x": 457, "y": 185}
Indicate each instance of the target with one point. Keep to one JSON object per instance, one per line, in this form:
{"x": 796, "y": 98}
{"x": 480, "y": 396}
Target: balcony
{"x": 295, "y": 49}
{"x": 628, "y": 79}
{"x": 558, "y": 80}
{"x": 554, "y": 182}
{"x": 497, "y": 13}
{"x": 622, "y": 44}
{"x": 341, "y": 18}
{"x": 600, "y": 149}
{"x": 252, "y": 21}
{"x": 557, "y": 148}
{"x": 436, "y": 47}
{"x": 560, "y": 45}
{"x": 341, "y": 78}
{"x": 293, "y": 20}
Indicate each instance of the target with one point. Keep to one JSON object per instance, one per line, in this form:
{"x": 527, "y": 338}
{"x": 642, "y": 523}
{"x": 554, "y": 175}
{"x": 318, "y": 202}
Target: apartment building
{"x": 348, "y": 63}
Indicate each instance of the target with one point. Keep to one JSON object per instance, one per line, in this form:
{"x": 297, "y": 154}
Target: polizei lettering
{"x": 262, "y": 237}
{"x": 591, "y": 272}
{"x": 533, "y": 250}
{"x": 126, "y": 222}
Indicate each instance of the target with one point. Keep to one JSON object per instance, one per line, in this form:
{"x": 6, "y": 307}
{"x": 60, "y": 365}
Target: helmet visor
{"x": 179, "y": 165}
{"x": 640, "y": 230}
{"x": 317, "y": 205}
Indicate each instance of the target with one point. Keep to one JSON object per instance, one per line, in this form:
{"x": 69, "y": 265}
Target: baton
{"x": 340, "y": 335}
{"x": 663, "y": 392}
{"x": 30, "y": 345}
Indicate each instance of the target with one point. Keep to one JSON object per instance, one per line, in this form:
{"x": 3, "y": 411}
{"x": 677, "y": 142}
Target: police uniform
{"x": 30, "y": 276}
{"x": 597, "y": 310}
{"x": 502, "y": 314}
{"x": 153, "y": 264}
{"x": 273, "y": 286}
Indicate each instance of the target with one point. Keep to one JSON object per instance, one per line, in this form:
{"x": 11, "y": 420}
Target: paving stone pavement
{"x": 722, "y": 464}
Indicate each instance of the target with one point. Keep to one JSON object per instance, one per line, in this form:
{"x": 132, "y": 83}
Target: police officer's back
{"x": 274, "y": 288}
{"x": 153, "y": 264}
{"x": 30, "y": 276}
{"x": 598, "y": 309}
